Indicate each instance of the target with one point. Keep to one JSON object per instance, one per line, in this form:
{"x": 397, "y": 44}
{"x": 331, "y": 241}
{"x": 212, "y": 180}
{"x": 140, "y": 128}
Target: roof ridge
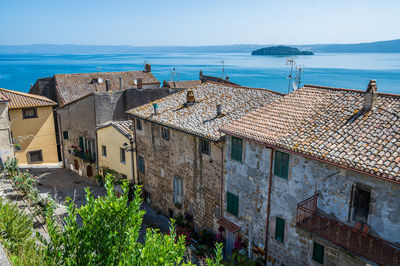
{"x": 241, "y": 87}
{"x": 38, "y": 97}
{"x": 113, "y": 72}
{"x": 332, "y": 88}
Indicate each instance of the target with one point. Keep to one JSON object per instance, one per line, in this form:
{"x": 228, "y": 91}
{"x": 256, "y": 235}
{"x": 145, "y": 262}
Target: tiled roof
{"x": 73, "y": 86}
{"x": 122, "y": 126}
{"x": 25, "y": 100}
{"x": 320, "y": 122}
{"x": 183, "y": 84}
{"x": 3, "y": 98}
{"x": 228, "y": 225}
{"x": 201, "y": 118}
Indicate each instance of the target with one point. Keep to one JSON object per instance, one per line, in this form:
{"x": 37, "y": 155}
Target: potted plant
{"x": 17, "y": 147}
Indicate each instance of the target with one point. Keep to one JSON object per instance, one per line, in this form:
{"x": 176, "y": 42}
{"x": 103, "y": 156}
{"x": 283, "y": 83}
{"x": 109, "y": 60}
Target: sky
{"x": 197, "y": 22}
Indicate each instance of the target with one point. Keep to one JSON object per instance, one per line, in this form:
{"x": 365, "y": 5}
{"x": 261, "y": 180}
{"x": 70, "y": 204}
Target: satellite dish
{"x": 100, "y": 80}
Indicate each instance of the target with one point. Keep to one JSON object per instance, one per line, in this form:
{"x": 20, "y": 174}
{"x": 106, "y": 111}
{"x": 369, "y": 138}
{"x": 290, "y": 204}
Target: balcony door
{"x": 362, "y": 199}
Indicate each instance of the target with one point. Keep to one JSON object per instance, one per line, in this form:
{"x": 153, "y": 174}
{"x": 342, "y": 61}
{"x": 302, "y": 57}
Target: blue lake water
{"x": 18, "y": 71}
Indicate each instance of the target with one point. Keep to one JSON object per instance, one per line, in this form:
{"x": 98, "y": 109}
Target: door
{"x": 89, "y": 170}
{"x": 76, "y": 164}
{"x": 229, "y": 243}
{"x": 361, "y": 205}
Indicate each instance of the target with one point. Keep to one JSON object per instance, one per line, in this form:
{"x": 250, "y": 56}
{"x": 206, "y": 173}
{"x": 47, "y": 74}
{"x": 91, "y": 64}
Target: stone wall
{"x": 334, "y": 201}
{"x": 6, "y": 149}
{"x": 180, "y": 156}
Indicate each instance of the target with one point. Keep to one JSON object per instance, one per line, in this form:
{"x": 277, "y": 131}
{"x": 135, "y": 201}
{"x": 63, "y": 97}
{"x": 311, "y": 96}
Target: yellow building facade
{"x": 116, "y": 149}
{"x": 32, "y": 128}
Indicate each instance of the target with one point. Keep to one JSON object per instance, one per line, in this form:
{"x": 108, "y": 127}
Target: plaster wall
{"x": 34, "y": 134}
{"x": 6, "y": 149}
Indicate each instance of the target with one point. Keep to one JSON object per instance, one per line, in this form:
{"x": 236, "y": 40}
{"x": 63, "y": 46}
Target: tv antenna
{"x": 290, "y": 61}
{"x": 223, "y": 68}
{"x": 300, "y": 70}
{"x": 174, "y": 75}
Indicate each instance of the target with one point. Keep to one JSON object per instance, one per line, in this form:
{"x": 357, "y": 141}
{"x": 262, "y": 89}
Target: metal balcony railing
{"x": 347, "y": 237}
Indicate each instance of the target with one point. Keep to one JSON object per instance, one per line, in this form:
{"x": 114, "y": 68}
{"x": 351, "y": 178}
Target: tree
{"x": 109, "y": 234}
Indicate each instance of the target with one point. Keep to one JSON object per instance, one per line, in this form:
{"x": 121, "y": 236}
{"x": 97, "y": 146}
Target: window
{"x": 66, "y": 134}
{"x": 81, "y": 145}
{"x": 279, "y": 229}
{"x": 281, "y": 167}
{"x": 147, "y": 197}
{"x": 318, "y": 253}
{"x": 232, "y": 205}
{"x": 362, "y": 199}
{"x": 138, "y": 124}
{"x": 29, "y": 113}
{"x": 141, "y": 164}
{"x": 236, "y": 150}
{"x": 205, "y": 146}
{"x": 165, "y": 133}
{"x": 178, "y": 190}
{"x": 35, "y": 156}
{"x": 104, "y": 151}
{"x": 122, "y": 155}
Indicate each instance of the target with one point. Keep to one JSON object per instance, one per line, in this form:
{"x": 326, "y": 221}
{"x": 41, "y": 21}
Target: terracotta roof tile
{"x": 228, "y": 225}
{"x": 201, "y": 118}
{"x": 183, "y": 84}
{"x": 73, "y": 86}
{"x": 25, "y": 100}
{"x": 317, "y": 121}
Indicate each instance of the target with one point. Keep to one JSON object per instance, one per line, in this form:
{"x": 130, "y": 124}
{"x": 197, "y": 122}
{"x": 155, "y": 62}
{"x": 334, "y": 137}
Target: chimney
{"x": 165, "y": 84}
{"x": 155, "y": 106}
{"x": 219, "y": 112}
{"x": 139, "y": 83}
{"x": 370, "y": 96}
{"x": 201, "y": 74}
{"x": 120, "y": 83}
{"x": 190, "y": 98}
{"x": 108, "y": 85}
{"x": 147, "y": 68}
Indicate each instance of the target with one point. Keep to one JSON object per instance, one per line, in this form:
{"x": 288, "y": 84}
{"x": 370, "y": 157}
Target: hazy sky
{"x": 200, "y": 22}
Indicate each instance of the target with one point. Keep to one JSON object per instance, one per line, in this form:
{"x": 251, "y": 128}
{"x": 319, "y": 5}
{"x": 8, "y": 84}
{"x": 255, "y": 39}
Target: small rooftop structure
{"x": 195, "y": 110}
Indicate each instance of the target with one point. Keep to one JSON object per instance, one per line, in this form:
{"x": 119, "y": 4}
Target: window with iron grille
{"x": 104, "y": 151}
{"x": 29, "y": 113}
{"x": 205, "y": 146}
{"x": 141, "y": 165}
{"x": 165, "y": 133}
{"x": 35, "y": 156}
{"x": 281, "y": 166}
{"x": 232, "y": 203}
{"x": 279, "y": 229}
{"x": 178, "y": 190}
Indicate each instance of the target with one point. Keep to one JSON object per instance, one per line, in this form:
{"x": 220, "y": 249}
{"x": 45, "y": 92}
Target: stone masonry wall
{"x": 180, "y": 156}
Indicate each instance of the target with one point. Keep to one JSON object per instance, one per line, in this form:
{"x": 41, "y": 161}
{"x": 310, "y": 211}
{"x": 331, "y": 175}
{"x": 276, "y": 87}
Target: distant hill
{"x": 280, "y": 50}
{"x": 392, "y": 46}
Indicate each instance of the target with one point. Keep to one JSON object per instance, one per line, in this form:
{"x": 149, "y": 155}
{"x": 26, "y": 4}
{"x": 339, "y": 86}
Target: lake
{"x": 18, "y": 71}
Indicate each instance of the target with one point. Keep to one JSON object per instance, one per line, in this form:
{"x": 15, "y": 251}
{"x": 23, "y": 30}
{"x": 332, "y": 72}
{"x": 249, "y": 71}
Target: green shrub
{"x": 11, "y": 167}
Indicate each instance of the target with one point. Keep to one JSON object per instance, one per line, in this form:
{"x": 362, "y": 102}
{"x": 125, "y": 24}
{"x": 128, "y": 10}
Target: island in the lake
{"x": 280, "y": 50}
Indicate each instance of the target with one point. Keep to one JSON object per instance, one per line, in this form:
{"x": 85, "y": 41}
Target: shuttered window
{"x": 318, "y": 253}
{"x": 141, "y": 165}
{"x": 280, "y": 229}
{"x": 178, "y": 190}
{"x": 65, "y": 134}
{"x": 281, "y": 167}
{"x": 232, "y": 204}
{"x": 236, "y": 149}
{"x": 81, "y": 145}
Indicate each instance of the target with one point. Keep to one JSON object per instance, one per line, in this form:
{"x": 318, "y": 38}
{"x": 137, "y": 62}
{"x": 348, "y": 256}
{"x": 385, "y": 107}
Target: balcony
{"x": 85, "y": 156}
{"x": 361, "y": 243}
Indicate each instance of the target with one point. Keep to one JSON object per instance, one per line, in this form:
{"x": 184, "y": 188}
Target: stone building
{"x": 6, "y": 149}
{"x": 313, "y": 178}
{"x": 180, "y": 152}
{"x": 78, "y": 120}
{"x": 181, "y": 84}
{"x": 32, "y": 128}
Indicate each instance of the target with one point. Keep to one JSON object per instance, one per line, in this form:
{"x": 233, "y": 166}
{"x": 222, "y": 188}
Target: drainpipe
{"x": 269, "y": 204}
{"x": 133, "y": 162}
{"x": 136, "y": 148}
{"x": 61, "y": 137}
{"x": 221, "y": 180}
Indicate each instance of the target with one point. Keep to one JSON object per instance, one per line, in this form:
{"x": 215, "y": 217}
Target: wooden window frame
{"x": 178, "y": 187}
{"x": 104, "y": 151}
{"x": 165, "y": 133}
{"x": 232, "y": 199}
{"x": 281, "y": 164}
{"x": 318, "y": 247}
{"x": 237, "y": 150}
{"x": 24, "y": 116}
{"x": 279, "y": 229}
{"x": 30, "y": 158}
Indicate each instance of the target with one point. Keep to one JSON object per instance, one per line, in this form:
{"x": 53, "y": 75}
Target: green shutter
{"x": 81, "y": 145}
{"x": 281, "y": 167}
{"x": 236, "y": 149}
{"x": 232, "y": 204}
{"x": 280, "y": 229}
{"x": 318, "y": 253}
